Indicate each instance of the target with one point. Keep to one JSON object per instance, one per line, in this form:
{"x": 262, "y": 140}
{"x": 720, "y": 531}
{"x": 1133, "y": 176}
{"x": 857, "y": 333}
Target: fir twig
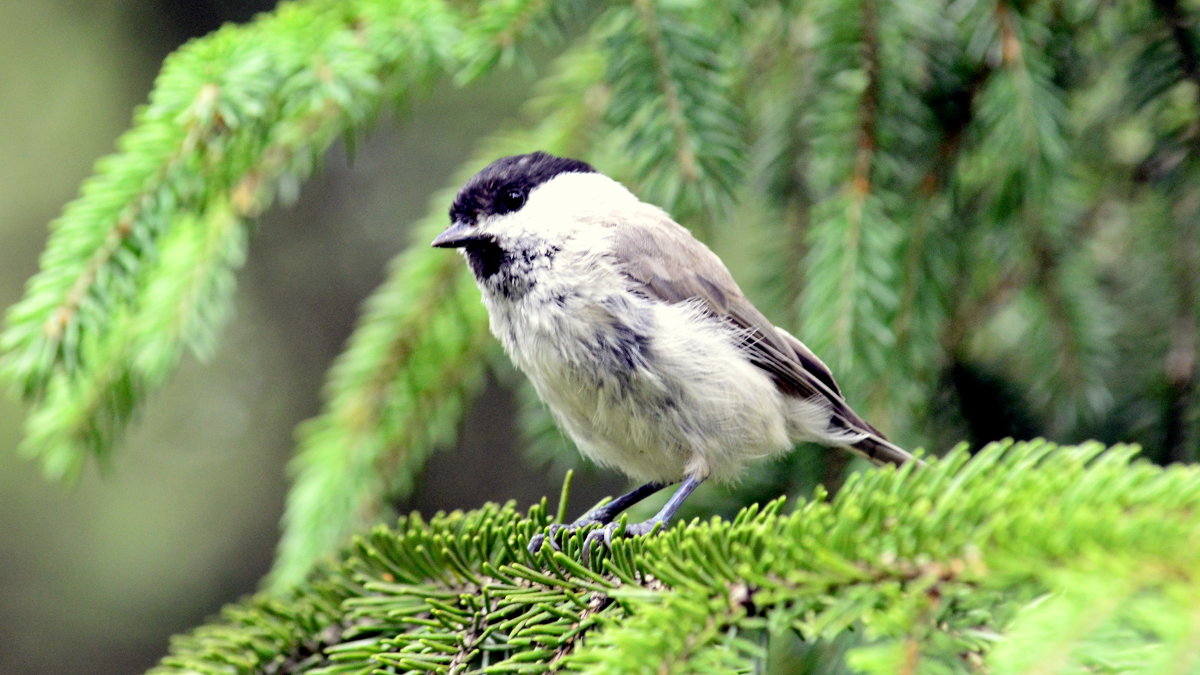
{"x": 932, "y": 564}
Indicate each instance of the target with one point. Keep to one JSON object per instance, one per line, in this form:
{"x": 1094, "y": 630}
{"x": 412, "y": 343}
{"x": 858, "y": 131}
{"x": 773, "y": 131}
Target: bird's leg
{"x": 602, "y": 515}
{"x": 660, "y": 519}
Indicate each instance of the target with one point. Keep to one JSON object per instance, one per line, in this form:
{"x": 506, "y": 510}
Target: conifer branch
{"x": 934, "y": 565}
{"x": 868, "y": 107}
{"x": 672, "y": 106}
{"x": 236, "y": 119}
{"x": 140, "y": 268}
{"x": 501, "y": 29}
{"x": 859, "y": 184}
{"x": 386, "y": 408}
{"x": 684, "y": 153}
{"x": 849, "y": 293}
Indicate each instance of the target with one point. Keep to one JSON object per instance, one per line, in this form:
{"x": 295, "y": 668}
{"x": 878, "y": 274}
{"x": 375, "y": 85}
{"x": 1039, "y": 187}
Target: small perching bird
{"x": 637, "y": 337}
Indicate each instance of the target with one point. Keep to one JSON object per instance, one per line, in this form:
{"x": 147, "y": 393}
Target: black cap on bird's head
{"x": 502, "y": 187}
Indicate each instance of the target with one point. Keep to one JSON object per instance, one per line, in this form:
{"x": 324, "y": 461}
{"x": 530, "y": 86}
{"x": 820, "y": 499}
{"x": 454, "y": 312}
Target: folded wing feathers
{"x": 667, "y": 263}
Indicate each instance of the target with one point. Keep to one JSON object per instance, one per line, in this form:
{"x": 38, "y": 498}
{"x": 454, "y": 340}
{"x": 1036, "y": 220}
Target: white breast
{"x": 655, "y": 390}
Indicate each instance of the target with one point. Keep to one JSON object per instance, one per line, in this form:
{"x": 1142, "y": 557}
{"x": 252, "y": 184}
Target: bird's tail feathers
{"x": 882, "y": 451}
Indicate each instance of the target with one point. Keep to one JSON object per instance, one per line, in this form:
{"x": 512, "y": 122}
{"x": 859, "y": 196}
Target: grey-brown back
{"x": 664, "y": 261}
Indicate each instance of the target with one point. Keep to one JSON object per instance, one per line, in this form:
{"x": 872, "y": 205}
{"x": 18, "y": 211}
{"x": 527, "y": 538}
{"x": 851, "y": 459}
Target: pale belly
{"x": 658, "y": 393}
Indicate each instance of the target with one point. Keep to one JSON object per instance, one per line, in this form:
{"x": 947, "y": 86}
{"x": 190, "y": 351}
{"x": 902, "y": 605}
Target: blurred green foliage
{"x": 982, "y": 215}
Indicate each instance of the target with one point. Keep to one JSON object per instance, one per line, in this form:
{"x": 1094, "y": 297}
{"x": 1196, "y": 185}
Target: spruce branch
{"x": 1023, "y": 195}
{"x": 140, "y": 267}
{"x": 502, "y": 28}
{"x": 938, "y": 567}
{"x": 236, "y": 120}
{"x": 685, "y": 154}
{"x": 393, "y": 395}
{"x": 671, "y": 106}
{"x": 849, "y": 286}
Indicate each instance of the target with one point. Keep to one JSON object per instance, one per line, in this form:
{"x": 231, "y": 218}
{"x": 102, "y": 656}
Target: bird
{"x": 638, "y": 339}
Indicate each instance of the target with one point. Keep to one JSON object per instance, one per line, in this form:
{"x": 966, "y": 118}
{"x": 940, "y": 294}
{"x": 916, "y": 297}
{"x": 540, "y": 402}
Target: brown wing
{"x": 666, "y": 262}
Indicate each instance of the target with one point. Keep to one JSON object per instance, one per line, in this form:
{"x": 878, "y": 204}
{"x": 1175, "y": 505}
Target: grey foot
{"x": 604, "y": 515}
{"x": 604, "y": 535}
{"x": 551, "y": 535}
{"x": 601, "y": 515}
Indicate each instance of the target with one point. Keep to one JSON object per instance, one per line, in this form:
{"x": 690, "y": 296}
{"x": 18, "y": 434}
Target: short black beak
{"x": 459, "y": 234}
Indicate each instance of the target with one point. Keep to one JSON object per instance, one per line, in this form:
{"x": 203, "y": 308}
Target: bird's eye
{"x": 509, "y": 201}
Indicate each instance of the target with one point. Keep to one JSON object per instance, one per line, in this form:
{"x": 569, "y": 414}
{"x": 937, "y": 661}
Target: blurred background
{"x": 96, "y": 577}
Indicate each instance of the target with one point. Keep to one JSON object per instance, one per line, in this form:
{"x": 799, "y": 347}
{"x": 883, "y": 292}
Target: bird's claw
{"x": 535, "y": 543}
{"x": 601, "y": 535}
{"x": 604, "y": 535}
{"x": 551, "y": 535}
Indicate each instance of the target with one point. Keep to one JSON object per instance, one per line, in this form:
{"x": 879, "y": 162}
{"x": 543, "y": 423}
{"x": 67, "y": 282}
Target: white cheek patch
{"x": 573, "y": 211}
